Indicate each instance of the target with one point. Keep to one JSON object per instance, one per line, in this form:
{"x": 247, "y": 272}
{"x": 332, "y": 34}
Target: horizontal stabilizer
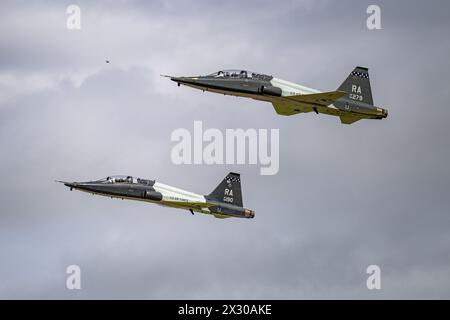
{"x": 221, "y": 216}
{"x": 349, "y": 119}
{"x": 319, "y": 99}
{"x": 199, "y": 205}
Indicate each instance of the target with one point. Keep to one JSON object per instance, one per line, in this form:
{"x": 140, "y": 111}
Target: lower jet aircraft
{"x": 224, "y": 202}
{"x": 351, "y": 102}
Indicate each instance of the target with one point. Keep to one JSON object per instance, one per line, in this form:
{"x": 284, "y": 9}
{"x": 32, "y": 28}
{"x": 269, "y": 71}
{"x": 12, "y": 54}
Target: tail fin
{"x": 229, "y": 190}
{"x": 357, "y": 85}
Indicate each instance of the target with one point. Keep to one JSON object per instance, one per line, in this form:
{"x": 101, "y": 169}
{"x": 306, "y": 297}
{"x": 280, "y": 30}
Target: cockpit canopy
{"x": 125, "y": 179}
{"x": 120, "y": 179}
{"x": 239, "y": 74}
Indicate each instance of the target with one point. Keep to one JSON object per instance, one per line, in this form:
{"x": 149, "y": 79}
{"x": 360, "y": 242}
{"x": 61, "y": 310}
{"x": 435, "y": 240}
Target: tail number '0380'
{"x": 228, "y": 195}
{"x": 228, "y": 199}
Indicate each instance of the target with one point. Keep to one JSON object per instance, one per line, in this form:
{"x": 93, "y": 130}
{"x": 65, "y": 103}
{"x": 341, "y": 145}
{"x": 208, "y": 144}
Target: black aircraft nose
{"x": 176, "y": 79}
{"x": 185, "y": 80}
{"x": 71, "y": 185}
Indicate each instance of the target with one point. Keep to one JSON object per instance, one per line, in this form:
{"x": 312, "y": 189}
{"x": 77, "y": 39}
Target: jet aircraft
{"x": 351, "y": 102}
{"x": 224, "y": 202}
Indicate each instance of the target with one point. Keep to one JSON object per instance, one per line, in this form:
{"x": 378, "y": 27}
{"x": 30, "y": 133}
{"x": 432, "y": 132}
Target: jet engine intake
{"x": 152, "y": 195}
{"x": 271, "y": 91}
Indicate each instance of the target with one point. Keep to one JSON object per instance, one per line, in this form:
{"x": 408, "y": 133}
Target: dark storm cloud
{"x": 345, "y": 197}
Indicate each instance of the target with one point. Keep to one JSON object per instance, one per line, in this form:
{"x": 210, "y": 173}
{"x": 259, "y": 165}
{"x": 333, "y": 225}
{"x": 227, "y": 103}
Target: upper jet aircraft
{"x": 224, "y": 202}
{"x": 351, "y": 102}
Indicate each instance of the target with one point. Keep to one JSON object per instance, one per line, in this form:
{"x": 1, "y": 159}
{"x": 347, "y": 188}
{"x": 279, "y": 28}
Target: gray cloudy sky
{"x": 376, "y": 192}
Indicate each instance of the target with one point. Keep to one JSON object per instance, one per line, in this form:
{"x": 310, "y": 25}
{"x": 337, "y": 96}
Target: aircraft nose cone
{"x": 185, "y": 80}
{"x": 181, "y": 79}
{"x": 71, "y": 185}
{"x": 178, "y": 80}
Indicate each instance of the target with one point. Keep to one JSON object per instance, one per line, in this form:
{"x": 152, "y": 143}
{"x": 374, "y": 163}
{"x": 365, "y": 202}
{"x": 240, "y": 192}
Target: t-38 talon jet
{"x": 224, "y": 202}
{"x": 351, "y": 102}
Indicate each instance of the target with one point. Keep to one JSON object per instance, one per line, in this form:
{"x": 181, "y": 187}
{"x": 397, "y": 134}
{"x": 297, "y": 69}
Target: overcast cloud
{"x": 345, "y": 197}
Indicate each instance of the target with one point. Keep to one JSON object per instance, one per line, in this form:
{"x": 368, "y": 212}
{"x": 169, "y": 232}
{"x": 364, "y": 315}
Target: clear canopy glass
{"x": 125, "y": 179}
{"x": 120, "y": 179}
{"x": 233, "y": 73}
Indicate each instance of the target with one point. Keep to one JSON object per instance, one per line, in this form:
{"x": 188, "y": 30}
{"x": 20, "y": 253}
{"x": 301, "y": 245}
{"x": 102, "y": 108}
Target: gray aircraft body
{"x": 351, "y": 102}
{"x": 224, "y": 202}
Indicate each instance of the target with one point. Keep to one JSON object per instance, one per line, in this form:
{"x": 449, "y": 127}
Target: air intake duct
{"x": 152, "y": 195}
{"x": 271, "y": 91}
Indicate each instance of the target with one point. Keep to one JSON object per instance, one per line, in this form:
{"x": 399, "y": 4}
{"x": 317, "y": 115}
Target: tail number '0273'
{"x": 356, "y": 97}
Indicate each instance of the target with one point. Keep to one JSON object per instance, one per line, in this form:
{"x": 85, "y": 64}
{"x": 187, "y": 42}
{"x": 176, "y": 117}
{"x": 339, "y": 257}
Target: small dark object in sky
{"x": 107, "y": 61}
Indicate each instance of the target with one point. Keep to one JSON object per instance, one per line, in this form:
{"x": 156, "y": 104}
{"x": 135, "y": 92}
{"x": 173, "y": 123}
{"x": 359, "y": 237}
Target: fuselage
{"x": 266, "y": 88}
{"x": 131, "y": 188}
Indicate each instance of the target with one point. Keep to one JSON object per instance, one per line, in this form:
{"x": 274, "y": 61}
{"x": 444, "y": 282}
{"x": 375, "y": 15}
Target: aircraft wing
{"x": 290, "y": 105}
{"x": 318, "y": 99}
{"x": 285, "y": 109}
